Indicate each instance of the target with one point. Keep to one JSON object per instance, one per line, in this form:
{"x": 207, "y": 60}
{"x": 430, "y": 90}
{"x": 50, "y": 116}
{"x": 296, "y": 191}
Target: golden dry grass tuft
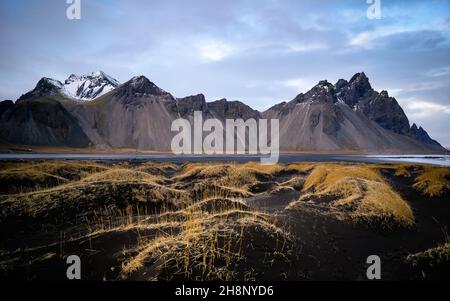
{"x": 27, "y": 177}
{"x": 116, "y": 187}
{"x": 326, "y": 175}
{"x": 239, "y": 176}
{"x": 210, "y": 239}
{"x": 267, "y": 169}
{"x": 121, "y": 174}
{"x": 157, "y": 169}
{"x": 207, "y": 189}
{"x": 18, "y": 181}
{"x": 433, "y": 181}
{"x": 302, "y": 168}
{"x": 207, "y": 244}
{"x": 432, "y": 263}
{"x": 357, "y": 191}
{"x": 402, "y": 170}
{"x": 67, "y": 170}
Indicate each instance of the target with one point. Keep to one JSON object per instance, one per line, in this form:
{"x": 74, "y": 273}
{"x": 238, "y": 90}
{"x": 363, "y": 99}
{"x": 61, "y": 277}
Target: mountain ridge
{"x": 346, "y": 115}
{"x": 81, "y": 88}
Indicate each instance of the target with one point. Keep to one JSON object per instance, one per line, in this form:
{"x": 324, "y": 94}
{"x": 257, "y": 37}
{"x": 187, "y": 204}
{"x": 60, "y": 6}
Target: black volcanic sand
{"x": 323, "y": 247}
{"x": 335, "y": 250}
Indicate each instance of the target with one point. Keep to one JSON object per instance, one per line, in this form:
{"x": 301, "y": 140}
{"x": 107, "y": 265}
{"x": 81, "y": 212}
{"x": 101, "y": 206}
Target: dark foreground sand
{"x": 163, "y": 221}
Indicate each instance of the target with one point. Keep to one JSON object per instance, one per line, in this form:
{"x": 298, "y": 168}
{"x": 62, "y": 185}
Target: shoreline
{"x": 437, "y": 160}
{"x": 5, "y": 149}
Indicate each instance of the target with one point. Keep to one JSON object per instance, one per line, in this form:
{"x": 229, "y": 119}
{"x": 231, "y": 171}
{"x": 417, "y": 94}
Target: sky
{"x": 260, "y": 52}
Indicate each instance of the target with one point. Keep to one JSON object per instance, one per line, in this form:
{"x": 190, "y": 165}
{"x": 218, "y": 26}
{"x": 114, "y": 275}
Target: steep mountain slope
{"x": 46, "y": 87}
{"x": 84, "y": 88}
{"x": 359, "y": 95}
{"x": 320, "y": 120}
{"x": 43, "y": 121}
{"x": 221, "y": 109}
{"x": 138, "y": 114}
{"x": 134, "y": 115}
{"x": 421, "y": 135}
{"x": 380, "y": 107}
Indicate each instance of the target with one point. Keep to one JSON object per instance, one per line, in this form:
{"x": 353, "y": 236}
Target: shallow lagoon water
{"x": 443, "y": 160}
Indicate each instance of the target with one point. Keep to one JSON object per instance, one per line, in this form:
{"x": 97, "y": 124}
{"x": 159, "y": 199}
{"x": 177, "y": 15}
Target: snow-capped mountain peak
{"x": 52, "y": 82}
{"x": 89, "y": 86}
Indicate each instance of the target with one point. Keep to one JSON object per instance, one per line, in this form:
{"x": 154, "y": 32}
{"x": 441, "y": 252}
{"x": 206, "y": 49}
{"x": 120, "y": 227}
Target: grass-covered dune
{"x": 219, "y": 221}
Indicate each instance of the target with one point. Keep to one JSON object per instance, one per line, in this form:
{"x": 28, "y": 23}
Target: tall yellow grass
{"x": 358, "y": 190}
{"x": 433, "y": 181}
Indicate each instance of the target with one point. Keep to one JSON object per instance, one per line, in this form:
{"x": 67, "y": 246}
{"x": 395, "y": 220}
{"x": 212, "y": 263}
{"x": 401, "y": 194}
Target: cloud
{"x": 299, "y": 84}
{"x": 422, "y": 108}
{"x": 412, "y": 90}
{"x": 416, "y": 33}
{"x": 432, "y": 116}
{"x": 366, "y": 38}
{"x": 395, "y": 92}
{"x": 437, "y": 72}
{"x": 214, "y": 50}
{"x": 301, "y": 47}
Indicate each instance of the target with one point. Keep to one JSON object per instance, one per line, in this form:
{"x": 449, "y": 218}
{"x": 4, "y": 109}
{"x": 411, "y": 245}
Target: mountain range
{"x": 95, "y": 110}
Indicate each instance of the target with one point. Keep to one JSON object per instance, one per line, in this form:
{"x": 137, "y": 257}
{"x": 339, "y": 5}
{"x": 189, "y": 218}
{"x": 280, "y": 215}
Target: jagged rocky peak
{"x": 342, "y": 83}
{"x": 322, "y": 92}
{"x": 352, "y": 91}
{"x": 360, "y": 82}
{"x": 386, "y": 112}
{"x": 359, "y": 95}
{"x": 195, "y": 100}
{"x": 90, "y": 85}
{"x": 384, "y": 93}
{"x": 187, "y": 105}
{"x": 140, "y": 86}
{"x": 232, "y": 109}
{"x": 420, "y": 134}
{"x": 45, "y": 87}
{"x": 46, "y": 84}
{"x": 84, "y": 87}
{"x": 96, "y": 75}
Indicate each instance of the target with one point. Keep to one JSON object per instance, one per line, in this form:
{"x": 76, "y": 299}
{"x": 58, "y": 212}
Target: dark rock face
{"x": 45, "y": 87}
{"x": 221, "y": 109}
{"x": 357, "y": 90}
{"x": 139, "y": 86}
{"x": 379, "y": 107}
{"x": 322, "y": 92}
{"x": 5, "y": 106}
{"x": 421, "y": 135}
{"x": 224, "y": 109}
{"x": 341, "y": 84}
{"x": 349, "y": 115}
{"x": 386, "y": 111}
{"x": 41, "y": 122}
{"x": 187, "y": 105}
